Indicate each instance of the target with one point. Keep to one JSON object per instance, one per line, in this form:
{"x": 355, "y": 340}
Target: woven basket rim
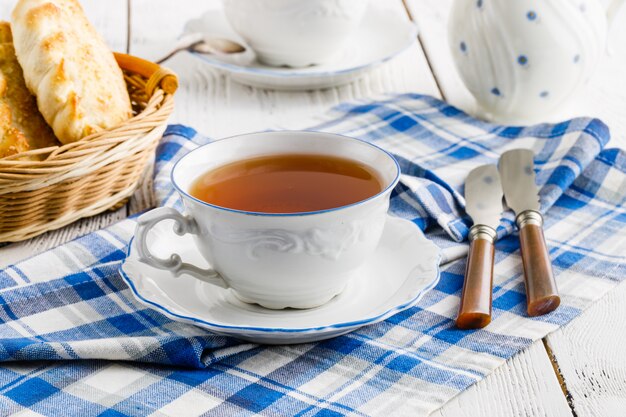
{"x": 94, "y": 174}
{"x": 158, "y": 93}
{"x": 152, "y": 86}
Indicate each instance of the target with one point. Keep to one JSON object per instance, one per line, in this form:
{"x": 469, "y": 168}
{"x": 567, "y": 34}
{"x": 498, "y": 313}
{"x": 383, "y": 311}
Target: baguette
{"x": 22, "y": 127}
{"x": 80, "y": 89}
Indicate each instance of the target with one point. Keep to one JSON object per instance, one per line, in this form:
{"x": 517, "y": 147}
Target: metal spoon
{"x": 209, "y": 46}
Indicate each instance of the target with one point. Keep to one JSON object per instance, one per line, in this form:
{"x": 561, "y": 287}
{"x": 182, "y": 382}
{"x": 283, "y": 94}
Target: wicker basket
{"x": 94, "y": 174}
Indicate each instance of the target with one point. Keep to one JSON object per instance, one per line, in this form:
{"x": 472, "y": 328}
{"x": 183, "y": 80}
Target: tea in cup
{"x": 285, "y": 219}
{"x": 295, "y": 33}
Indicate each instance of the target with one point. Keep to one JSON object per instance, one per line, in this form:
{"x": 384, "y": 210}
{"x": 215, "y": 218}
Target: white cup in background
{"x": 295, "y": 33}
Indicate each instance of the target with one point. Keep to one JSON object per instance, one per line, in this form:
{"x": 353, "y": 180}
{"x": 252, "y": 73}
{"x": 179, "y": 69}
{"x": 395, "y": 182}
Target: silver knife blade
{"x": 483, "y": 196}
{"x": 518, "y": 179}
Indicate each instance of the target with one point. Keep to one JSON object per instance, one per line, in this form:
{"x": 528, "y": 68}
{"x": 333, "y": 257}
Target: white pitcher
{"x": 522, "y": 59}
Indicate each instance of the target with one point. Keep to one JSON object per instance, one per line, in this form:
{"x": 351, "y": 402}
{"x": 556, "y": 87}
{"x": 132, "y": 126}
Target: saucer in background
{"x": 404, "y": 267}
{"x": 381, "y": 36}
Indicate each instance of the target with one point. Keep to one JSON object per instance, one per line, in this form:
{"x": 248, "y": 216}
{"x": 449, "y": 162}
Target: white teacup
{"x": 295, "y": 33}
{"x": 298, "y": 260}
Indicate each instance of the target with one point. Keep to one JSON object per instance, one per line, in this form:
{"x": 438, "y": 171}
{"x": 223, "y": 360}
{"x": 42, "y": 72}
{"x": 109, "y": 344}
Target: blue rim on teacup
{"x": 387, "y": 188}
{"x": 256, "y": 254}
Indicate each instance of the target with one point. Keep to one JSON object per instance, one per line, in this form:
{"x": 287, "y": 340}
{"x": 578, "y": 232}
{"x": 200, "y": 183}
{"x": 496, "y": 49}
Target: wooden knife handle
{"x": 542, "y": 296}
{"x": 475, "y": 309}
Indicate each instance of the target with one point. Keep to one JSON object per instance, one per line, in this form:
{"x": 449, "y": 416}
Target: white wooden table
{"x": 579, "y": 370}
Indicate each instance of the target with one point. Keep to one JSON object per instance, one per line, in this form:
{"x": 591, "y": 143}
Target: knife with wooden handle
{"x": 520, "y": 191}
{"x": 483, "y": 202}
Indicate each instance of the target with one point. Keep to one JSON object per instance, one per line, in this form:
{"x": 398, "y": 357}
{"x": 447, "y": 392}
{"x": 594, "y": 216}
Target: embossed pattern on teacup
{"x": 324, "y": 242}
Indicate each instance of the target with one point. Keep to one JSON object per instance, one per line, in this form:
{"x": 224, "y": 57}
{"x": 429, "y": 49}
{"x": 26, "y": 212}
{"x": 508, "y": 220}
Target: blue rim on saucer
{"x": 221, "y": 328}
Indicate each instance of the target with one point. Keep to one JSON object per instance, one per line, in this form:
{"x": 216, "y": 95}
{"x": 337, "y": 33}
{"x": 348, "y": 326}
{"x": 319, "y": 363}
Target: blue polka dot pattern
{"x": 531, "y": 15}
{"x": 479, "y": 3}
{"x": 462, "y": 46}
{"x": 544, "y": 94}
{"x": 495, "y": 91}
{"x": 522, "y": 60}
{"x": 576, "y": 58}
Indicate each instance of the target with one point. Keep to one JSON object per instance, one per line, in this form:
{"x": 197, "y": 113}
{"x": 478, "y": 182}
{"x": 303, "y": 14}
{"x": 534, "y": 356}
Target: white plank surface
{"x": 109, "y": 17}
{"x": 5, "y": 9}
{"x": 213, "y": 104}
{"x": 431, "y": 17}
{"x": 219, "y": 107}
{"x": 590, "y": 355}
{"x": 589, "y": 351}
{"x": 512, "y": 390}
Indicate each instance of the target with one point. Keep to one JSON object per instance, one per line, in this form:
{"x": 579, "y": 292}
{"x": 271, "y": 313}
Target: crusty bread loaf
{"x": 21, "y": 125}
{"x": 79, "y": 87}
{"x": 5, "y": 33}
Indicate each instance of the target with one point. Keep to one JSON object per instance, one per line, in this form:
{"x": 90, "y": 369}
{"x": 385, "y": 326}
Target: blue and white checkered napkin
{"x": 70, "y": 302}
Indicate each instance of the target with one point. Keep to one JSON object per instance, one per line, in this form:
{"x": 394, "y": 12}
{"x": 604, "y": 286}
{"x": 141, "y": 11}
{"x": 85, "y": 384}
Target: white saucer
{"x": 382, "y": 35}
{"x": 404, "y": 267}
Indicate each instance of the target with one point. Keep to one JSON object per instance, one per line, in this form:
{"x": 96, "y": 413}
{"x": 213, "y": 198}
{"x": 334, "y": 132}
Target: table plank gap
{"x": 559, "y": 375}
{"x": 422, "y": 45}
{"x": 215, "y": 105}
{"x": 264, "y": 107}
{"x": 572, "y": 347}
{"x": 431, "y": 16}
{"x": 524, "y": 386}
{"x": 590, "y": 354}
{"x": 604, "y": 96}
{"x": 129, "y": 20}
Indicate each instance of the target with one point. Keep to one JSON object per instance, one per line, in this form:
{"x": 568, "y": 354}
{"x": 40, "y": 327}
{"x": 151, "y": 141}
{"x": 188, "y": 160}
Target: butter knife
{"x": 483, "y": 202}
{"x": 520, "y": 191}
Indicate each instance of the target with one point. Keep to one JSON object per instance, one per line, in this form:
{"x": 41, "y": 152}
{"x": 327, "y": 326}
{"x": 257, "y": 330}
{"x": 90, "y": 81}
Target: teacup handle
{"x": 184, "y": 224}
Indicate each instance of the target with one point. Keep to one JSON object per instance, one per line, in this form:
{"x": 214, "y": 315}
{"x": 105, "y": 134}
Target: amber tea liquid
{"x": 287, "y": 183}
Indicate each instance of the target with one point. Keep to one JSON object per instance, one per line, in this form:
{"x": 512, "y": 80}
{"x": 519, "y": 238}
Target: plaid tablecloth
{"x": 62, "y": 313}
